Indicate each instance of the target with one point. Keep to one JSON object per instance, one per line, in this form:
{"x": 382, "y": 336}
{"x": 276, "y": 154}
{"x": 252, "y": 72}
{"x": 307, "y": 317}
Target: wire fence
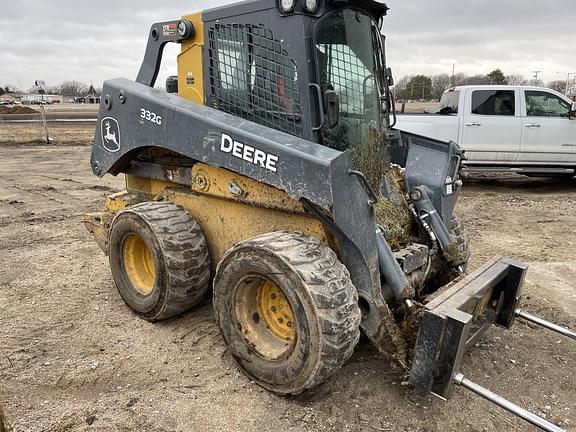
{"x": 64, "y": 125}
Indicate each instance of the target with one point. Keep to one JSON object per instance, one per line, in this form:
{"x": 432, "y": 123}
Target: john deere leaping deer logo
{"x": 110, "y": 131}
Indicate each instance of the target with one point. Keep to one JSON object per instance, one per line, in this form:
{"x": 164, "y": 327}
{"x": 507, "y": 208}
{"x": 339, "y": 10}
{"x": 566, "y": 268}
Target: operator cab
{"x": 326, "y": 83}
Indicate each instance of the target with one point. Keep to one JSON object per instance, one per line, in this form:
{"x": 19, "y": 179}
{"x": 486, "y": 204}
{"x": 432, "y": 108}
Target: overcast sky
{"x": 92, "y": 41}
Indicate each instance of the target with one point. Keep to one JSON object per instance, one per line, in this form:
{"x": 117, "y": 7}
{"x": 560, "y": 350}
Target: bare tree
{"x": 459, "y": 79}
{"x": 11, "y": 88}
{"x": 558, "y": 85}
{"x": 440, "y": 83}
{"x": 516, "y": 79}
{"x": 2, "y": 91}
{"x": 72, "y": 88}
{"x": 400, "y": 86}
{"x": 478, "y": 80}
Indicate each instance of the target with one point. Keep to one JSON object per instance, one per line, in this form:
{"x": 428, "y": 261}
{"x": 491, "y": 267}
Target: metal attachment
{"x": 546, "y": 324}
{"x": 460, "y": 380}
{"x": 373, "y": 197}
{"x": 121, "y": 97}
{"x": 455, "y": 318}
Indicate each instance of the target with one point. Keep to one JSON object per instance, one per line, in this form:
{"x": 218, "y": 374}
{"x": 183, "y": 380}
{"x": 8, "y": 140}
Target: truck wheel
{"x": 159, "y": 259}
{"x": 287, "y": 310}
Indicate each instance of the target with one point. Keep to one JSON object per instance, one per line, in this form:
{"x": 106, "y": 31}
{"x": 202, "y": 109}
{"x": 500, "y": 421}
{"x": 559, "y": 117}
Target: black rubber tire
{"x": 320, "y": 293}
{"x": 180, "y": 253}
{"x": 457, "y": 230}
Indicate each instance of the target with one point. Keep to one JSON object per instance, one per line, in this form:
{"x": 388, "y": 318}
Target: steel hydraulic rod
{"x": 544, "y": 323}
{"x": 459, "y": 379}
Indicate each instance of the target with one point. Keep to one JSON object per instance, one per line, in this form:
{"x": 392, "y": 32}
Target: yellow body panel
{"x": 221, "y": 183}
{"x": 190, "y": 73}
{"x": 148, "y": 186}
{"x": 118, "y": 201}
{"x": 231, "y": 208}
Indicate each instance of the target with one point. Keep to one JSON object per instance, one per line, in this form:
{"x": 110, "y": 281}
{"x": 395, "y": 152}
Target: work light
{"x": 311, "y": 6}
{"x": 287, "y": 6}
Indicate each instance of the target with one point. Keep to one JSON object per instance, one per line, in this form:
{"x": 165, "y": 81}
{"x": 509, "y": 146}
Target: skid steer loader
{"x": 263, "y": 171}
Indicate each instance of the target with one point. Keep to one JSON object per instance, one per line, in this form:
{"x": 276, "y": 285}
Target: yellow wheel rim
{"x": 139, "y": 264}
{"x": 274, "y": 308}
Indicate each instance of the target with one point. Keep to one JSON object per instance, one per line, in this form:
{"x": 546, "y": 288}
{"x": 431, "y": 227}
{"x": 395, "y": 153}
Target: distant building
{"x": 92, "y": 97}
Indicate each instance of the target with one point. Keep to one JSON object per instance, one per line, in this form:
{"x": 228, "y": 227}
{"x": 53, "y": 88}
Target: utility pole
{"x": 412, "y": 91}
{"x": 536, "y": 73}
{"x": 452, "y": 83}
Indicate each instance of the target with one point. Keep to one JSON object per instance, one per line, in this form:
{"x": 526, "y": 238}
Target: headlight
{"x": 311, "y": 6}
{"x": 287, "y": 6}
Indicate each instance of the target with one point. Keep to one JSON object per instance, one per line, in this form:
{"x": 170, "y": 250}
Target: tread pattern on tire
{"x": 332, "y": 291}
{"x": 185, "y": 253}
{"x": 457, "y": 230}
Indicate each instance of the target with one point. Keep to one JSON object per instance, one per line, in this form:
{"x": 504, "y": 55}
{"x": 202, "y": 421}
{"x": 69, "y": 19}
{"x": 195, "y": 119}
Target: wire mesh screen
{"x": 349, "y": 77}
{"x": 251, "y": 76}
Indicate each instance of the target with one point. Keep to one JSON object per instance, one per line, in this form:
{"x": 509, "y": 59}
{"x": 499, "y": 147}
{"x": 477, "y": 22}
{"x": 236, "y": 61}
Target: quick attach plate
{"x": 458, "y": 316}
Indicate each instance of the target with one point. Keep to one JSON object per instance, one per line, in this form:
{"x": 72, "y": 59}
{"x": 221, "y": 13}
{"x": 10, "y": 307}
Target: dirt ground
{"x": 73, "y": 357}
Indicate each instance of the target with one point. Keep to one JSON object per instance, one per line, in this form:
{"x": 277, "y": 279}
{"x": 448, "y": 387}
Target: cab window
{"x": 544, "y": 104}
{"x": 493, "y": 102}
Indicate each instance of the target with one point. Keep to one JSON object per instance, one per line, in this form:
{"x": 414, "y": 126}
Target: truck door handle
{"x": 532, "y": 125}
{"x": 474, "y": 124}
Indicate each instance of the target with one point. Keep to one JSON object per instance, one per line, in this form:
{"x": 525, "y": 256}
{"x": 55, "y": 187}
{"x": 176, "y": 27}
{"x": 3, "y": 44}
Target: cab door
{"x": 548, "y": 135}
{"x": 491, "y": 129}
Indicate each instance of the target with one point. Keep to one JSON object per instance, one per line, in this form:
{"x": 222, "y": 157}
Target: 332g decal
{"x": 150, "y": 116}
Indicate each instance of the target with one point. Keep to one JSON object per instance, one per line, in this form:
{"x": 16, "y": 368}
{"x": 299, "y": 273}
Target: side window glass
{"x": 544, "y": 104}
{"x": 232, "y": 59}
{"x": 350, "y": 78}
{"x": 493, "y": 102}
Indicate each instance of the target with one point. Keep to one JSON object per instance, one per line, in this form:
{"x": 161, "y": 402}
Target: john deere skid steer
{"x": 263, "y": 173}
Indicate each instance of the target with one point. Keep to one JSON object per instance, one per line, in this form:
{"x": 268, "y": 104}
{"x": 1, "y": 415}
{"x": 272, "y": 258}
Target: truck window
{"x": 544, "y": 104}
{"x": 449, "y": 102}
{"x": 493, "y": 102}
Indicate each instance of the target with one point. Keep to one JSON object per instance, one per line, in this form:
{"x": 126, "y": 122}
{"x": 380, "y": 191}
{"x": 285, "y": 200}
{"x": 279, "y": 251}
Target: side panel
{"x": 134, "y": 117}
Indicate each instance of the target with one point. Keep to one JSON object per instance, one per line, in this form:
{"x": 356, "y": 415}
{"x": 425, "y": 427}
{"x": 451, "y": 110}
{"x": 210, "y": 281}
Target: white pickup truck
{"x": 531, "y": 130}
